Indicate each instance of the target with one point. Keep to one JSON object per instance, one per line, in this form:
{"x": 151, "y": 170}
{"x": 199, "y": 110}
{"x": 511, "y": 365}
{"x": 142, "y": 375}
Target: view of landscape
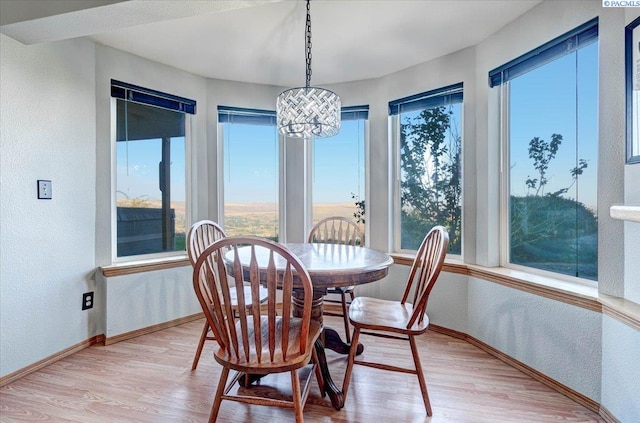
{"x": 260, "y": 218}
{"x": 251, "y": 174}
{"x": 553, "y": 165}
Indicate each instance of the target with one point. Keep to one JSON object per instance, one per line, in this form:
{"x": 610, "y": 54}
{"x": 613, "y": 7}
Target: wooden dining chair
{"x": 401, "y": 319}
{"x": 258, "y": 341}
{"x": 201, "y": 235}
{"x": 338, "y": 230}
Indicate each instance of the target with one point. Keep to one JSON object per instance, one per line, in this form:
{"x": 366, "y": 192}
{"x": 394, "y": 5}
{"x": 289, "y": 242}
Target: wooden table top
{"x": 333, "y": 265}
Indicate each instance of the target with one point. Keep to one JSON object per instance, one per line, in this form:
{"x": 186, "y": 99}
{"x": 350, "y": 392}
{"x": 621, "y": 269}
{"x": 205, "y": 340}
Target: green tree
{"x": 549, "y": 231}
{"x": 431, "y": 186}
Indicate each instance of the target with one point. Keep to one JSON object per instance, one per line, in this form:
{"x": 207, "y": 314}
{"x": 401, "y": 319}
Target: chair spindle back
{"x": 235, "y": 262}
{"x": 202, "y": 234}
{"x": 336, "y": 230}
{"x": 425, "y": 270}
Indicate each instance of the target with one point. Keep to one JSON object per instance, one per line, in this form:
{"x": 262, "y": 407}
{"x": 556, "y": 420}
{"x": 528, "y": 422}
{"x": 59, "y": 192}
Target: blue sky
{"x": 543, "y": 102}
{"x": 338, "y": 168}
{"x": 251, "y": 164}
{"x": 140, "y": 178}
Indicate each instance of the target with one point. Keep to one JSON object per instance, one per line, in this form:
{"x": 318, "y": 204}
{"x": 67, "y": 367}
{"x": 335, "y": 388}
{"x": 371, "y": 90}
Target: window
{"x": 551, "y": 112}
{"x": 251, "y": 179}
{"x": 429, "y": 147}
{"x": 338, "y": 169}
{"x": 150, "y": 170}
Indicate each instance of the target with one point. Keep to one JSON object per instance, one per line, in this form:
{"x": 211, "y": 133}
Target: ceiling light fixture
{"x": 308, "y": 111}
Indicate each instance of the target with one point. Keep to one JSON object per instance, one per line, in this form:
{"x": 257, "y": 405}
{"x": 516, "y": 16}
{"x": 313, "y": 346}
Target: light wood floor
{"x": 149, "y": 379}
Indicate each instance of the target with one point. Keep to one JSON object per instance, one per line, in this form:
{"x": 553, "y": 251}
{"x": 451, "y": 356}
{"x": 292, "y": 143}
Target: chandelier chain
{"x": 308, "y": 44}
{"x": 308, "y": 112}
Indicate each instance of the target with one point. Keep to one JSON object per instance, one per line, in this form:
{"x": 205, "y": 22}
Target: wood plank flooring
{"x": 149, "y": 379}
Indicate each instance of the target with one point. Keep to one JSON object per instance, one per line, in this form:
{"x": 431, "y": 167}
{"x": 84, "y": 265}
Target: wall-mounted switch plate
{"x": 44, "y": 189}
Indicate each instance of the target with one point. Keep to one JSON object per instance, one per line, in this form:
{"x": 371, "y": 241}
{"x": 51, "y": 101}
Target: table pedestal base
{"x": 328, "y": 339}
{"x": 333, "y": 342}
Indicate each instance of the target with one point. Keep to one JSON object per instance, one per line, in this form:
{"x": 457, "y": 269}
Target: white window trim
{"x": 505, "y": 215}
{"x": 367, "y": 186}
{"x": 395, "y": 213}
{"x": 114, "y": 183}
{"x": 367, "y": 178}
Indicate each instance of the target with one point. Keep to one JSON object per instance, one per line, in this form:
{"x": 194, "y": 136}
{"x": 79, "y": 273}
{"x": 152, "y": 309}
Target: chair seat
{"x": 294, "y": 359}
{"x": 384, "y": 315}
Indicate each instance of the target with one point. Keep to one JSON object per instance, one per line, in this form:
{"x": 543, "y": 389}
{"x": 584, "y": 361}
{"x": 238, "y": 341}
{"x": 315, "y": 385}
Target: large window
{"x": 251, "y": 179}
{"x": 338, "y": 170}
{"x": 150, "y": 170}
{"x": 551, "y": 140}
{"x": 429, "y": 191}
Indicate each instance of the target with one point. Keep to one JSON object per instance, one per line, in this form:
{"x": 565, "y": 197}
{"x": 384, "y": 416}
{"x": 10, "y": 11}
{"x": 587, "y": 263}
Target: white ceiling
{"x": 262, "y": 41}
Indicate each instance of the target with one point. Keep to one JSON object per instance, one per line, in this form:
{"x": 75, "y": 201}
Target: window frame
{"x": 220, "y": 166}
{"x": 394, "y": 125}
{"x": 361, "y": 113}
{"x": 504, "y": 96}
{"x": 124, "y": 91}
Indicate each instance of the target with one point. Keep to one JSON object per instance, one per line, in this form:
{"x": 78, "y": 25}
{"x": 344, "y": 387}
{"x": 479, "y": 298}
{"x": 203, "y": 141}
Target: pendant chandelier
{"x": 308, "y": 111}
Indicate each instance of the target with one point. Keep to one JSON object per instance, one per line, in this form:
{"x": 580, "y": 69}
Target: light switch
{"x": 44, "y": 189}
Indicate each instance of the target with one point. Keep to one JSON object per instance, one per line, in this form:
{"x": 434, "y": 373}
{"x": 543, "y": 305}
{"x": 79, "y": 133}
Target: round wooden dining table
{"x": 330, "y": 265}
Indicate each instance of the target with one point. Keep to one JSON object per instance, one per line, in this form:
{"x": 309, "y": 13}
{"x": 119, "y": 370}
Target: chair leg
{"x": 423, "y": 385}
{"x": 297, "y": 396}
{"x": 203, "y": 337}
{"x": 352, "y": 356}
{"x": 222, "y": 383}
{"x": 345, "y": 317}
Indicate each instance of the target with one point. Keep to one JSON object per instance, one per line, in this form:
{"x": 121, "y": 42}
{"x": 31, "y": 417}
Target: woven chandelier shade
{"x": 308, "y": 111}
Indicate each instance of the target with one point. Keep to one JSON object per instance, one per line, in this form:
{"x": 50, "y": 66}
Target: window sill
{"x": 450, "y": 265}
{"x": 624, "y": 311}
{"x": 629, "y": 213}
{"x": 140, "y": 266}
{"x": 584, "y": 296}
{"x": 578, "y": 295}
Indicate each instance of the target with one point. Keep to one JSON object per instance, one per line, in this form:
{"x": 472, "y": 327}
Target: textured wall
{"x": 47, "y": 117}
{"x": 621, "y": 370}
{"x": 557, "y": 339}
{"x": 145, "y": 299}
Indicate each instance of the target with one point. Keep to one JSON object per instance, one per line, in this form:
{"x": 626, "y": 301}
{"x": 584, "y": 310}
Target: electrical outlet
{"x": 44, "y": 189}
{"x": 87, "y": 300}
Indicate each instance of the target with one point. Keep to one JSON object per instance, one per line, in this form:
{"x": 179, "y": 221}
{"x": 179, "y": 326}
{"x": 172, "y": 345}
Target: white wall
{"x": 620, "y": 370}
{"x": 621, "y": 343}
{"x": 632, "y": 229}
{"x": 47, "y": 116}
{"x": 557, "y": 339}
{"x": 145, "y": 299}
